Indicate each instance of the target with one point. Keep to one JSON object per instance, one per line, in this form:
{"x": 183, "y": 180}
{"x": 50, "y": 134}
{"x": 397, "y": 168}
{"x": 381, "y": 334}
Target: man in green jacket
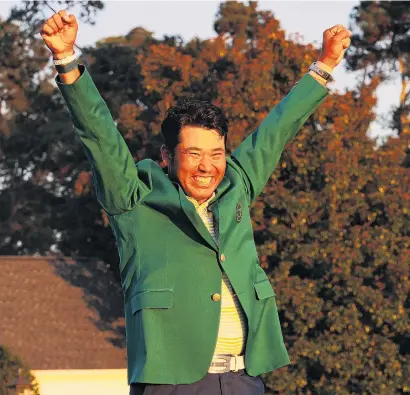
{"x": 201, "y": 315}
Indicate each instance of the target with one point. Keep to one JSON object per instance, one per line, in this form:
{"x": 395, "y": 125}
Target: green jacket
{"x": 170, "y": 265}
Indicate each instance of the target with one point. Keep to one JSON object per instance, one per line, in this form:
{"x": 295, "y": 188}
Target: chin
{"x": 203, "y": 194}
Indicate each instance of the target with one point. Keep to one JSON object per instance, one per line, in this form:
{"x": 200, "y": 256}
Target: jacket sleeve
{"x": 115, "y": 174}
{"x": 258, "y": 155}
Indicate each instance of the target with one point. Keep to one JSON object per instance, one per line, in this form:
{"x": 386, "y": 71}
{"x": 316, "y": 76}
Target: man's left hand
{"x": 336, "y": 40}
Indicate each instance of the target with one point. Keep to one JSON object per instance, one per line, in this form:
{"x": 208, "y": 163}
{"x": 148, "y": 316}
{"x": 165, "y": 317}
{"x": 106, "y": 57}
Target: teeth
{"x": 203, "y": 180}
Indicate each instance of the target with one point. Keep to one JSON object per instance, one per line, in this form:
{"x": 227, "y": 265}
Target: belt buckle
{"x": 227, "y": 364}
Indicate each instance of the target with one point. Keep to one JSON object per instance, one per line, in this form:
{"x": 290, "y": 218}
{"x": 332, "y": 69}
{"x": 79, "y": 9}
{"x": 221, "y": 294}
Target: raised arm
{"x": 118, "y": 187}
{"x": 59, "y": 33}
{"x": 258, "y": 155}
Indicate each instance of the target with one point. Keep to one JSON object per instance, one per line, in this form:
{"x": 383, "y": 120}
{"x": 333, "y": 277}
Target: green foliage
{"x": 11, "y": 367}
{"x": 332, "y": 225}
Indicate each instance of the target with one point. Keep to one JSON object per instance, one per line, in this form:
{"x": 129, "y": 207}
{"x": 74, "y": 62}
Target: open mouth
{"x": 203, "y": 181}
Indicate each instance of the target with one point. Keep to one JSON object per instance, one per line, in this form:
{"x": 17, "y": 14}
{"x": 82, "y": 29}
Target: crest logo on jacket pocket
{"x": 239, "y": 212}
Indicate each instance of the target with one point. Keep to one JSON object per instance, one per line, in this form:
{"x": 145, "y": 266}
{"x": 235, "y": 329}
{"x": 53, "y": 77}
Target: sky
{"x": 305, "y": 20}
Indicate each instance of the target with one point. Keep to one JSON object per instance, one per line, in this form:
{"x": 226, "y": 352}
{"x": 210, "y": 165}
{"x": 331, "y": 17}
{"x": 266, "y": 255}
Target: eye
{"x": 194, "y": 154}
{"x": 217, "y": 156}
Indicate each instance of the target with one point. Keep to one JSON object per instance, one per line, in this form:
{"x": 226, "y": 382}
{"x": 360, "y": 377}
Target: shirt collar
{"x": 203, "y": 205}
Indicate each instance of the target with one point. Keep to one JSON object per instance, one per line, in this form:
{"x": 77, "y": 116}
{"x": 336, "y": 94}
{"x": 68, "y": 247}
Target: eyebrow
{"x": 199, "y": 149}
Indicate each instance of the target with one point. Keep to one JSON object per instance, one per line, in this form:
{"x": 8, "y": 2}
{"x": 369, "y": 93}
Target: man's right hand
{"x": 59, "y": 33}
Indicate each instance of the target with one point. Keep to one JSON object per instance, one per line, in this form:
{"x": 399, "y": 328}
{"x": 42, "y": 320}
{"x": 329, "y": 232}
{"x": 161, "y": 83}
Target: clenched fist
{"x": 59, "y": 33}
{"x": 336, "y": 40}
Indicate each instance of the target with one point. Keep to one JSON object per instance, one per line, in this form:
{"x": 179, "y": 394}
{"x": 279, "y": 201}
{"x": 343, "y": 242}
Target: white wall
{"x": 82, "y": 382}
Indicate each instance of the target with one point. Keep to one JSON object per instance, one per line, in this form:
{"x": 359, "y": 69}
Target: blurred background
{"x": 333, "y": 223}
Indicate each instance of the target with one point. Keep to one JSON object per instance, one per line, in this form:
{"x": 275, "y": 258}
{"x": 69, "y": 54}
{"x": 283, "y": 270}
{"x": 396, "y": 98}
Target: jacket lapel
{"x": 195, "y": 219}
{"x": 214, "y": 207}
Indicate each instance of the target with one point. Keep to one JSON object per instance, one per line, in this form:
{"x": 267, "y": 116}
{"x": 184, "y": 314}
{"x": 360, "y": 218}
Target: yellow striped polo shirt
{"x": 233, "y": 326}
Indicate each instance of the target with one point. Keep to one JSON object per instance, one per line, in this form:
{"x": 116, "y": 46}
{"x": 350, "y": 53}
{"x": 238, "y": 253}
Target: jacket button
{"x": 222, "y": 258}
{"x": 216, "y": 297}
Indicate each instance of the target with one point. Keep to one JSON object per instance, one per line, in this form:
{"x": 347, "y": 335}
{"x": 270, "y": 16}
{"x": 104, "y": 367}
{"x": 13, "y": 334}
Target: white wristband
{"x": 66, "y": 60}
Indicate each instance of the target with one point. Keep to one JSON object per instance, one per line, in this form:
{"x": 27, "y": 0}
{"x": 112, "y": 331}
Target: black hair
{"x": 191, "y": 112}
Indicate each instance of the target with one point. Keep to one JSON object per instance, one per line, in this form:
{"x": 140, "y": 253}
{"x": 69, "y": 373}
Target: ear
{"x": 166, "y": 154}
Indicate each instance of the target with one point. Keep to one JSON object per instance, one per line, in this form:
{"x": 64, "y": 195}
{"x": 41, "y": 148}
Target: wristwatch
{"x": 316, "y": 69}
{"x": 63, "y": 61}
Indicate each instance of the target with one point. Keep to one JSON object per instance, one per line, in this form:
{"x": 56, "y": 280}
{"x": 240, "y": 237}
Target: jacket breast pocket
{"x": 152, "y": 299}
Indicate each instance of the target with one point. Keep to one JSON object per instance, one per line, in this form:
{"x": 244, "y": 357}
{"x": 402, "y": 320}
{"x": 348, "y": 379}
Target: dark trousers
{"x": 230, "y": 383}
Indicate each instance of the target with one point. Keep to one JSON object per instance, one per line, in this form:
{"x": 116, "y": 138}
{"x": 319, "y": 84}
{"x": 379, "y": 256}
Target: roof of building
{"x": 56, "y": 313}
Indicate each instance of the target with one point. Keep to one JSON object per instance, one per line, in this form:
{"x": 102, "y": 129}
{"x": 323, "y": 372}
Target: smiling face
{"x": 198, "y": 163}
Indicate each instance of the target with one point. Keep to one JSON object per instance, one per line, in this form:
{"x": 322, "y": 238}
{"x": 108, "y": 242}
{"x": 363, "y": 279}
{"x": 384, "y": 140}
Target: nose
{"x": 206, "y": 164}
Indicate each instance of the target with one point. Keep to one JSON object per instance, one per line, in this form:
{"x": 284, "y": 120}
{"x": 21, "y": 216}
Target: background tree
{"x": 332, "y": 225}
{"x": 33, "y": 132}
{"x": 11, "y": 367}
{"x": 381, "y": 46}
{"x": 31, "y": 14}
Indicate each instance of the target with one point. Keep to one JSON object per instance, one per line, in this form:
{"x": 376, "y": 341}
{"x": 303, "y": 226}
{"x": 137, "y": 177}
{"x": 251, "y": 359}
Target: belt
{"x": 222, "y": 363}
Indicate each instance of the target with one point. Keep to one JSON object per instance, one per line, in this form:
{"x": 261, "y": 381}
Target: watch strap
{"x": 66, "y": 68}
{"x": 319, "y": 71}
